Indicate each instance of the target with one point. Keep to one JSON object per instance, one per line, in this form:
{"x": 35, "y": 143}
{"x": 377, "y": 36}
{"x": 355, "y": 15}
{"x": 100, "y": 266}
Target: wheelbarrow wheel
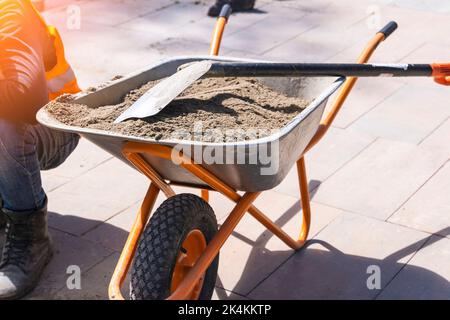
{"x": 173, "y": 240}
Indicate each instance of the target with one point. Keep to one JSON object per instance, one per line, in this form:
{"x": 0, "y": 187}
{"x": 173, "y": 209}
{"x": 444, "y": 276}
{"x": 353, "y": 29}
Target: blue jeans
{"x": 25, "y": 150}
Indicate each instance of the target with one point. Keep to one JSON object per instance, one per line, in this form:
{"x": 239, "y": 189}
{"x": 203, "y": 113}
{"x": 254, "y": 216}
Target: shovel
{"x": 158, "y": 97}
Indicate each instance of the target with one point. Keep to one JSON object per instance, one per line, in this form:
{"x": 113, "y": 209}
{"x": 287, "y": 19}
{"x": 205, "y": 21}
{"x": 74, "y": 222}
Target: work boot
{"x": 236, "y": 6}
{"x": 26, "y": 252}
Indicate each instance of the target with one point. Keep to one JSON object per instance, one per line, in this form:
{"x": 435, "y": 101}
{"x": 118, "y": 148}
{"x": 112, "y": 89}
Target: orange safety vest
{"x": 61, "y": 78}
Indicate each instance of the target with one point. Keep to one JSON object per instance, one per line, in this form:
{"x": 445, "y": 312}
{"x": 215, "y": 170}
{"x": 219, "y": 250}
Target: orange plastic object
{"x": 441, "y": 73}
{"x": 193, "y": 246}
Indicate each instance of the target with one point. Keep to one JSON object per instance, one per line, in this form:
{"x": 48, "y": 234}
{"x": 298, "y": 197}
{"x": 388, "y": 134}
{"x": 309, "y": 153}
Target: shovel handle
{"x": 218, "y": 29}
{"x": 280, "y": 69}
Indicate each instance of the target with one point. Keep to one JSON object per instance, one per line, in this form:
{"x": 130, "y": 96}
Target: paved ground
{"x": 380, "y": 180}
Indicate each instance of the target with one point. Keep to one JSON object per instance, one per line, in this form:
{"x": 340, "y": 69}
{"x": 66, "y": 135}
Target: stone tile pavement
{"x": 380, "y": 180}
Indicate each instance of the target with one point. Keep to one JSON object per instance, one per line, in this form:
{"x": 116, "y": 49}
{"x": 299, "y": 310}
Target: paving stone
{"x": 258, "y": 39}
{"x": 439, "y": 137}
{"x": 94, "y": 282}
{"x": 286, "y": 212}
{"x": 165, "y": 22}
{"x": 319, "y": 42}
{"x": 337, "y": 147}
{"x": 68, "y": 250}
{"x": 335, "y": 267}
{"x": 406, "y": 115}
{"x": 95, "y": 197}
{"x": 114, "y": 12}
{"x": 101, "y": 55}
{"x": 366, "y": 95}
{"x": 381, "y": 178}
{"x": 242, "y": 54}
{"x": 310, "y": 6}
{"x": 253, "y": 253}
{"x": 400, "y": 44}
{"x": 339, "y": 15}
{"x": 50, "y": 5}
{"x": 172, "y": 47}
{"x": 113, "y": 232}
{"x": 426, "y": 276}
{"x": 84, "y": 158}
{"x": 431, "y": 5}
{"x": 290, "y": 13}
{"x": 439, "y": 34}
{"x": 427, "y": 53}
{"x": 201, "y": 30}
{"x": 428, "y": 208}
{"x": 52, "y": 181}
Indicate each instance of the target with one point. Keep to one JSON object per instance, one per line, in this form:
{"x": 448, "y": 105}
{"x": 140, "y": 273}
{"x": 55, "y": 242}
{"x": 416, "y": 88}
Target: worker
{"x": 33, "y": 70}
{"x": 236, "y": 6}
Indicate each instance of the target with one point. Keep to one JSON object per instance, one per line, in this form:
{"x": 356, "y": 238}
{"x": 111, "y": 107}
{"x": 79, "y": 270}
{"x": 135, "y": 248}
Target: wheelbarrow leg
{"x": 205, "y": 195}
{"x": 129, "y": 249}
{"x": 306, "y": 213}
{"x": 304, "y": 197}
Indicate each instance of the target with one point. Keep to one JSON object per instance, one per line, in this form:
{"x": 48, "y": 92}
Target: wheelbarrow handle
{"x": 222, "y": 20}
{"x": 225, "y": 12}
{"x": 388, "y": 29}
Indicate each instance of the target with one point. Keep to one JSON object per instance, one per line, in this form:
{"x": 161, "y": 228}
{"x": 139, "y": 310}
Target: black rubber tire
{"x": 158, "y": 248}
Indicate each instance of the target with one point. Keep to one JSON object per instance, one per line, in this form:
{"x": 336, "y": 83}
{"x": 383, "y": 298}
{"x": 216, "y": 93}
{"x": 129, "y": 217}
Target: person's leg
{"x": 24, "y": 151}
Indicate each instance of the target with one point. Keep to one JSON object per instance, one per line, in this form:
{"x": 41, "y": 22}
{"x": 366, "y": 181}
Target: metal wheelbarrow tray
{"x": 283, "y": 147}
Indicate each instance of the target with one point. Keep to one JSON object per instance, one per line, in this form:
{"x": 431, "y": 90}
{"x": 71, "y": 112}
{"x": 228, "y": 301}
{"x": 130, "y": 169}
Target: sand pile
{"x": 215, "y": 103}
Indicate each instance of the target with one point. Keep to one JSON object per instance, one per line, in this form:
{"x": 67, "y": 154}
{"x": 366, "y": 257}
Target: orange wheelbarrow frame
{"x": 244, "y": 203}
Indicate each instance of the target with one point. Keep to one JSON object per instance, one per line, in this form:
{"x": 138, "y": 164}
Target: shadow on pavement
{"x": 315, "y": 273}
{"x": 320, "y": 274}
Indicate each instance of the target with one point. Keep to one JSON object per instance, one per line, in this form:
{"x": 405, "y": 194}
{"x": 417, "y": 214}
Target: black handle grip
{"x": 225, "y": 12}
{"x": 388, "y": 29}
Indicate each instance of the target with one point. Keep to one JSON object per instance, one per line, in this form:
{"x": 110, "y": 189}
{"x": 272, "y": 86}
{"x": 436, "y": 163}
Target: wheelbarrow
{"x": 174, "y": 254}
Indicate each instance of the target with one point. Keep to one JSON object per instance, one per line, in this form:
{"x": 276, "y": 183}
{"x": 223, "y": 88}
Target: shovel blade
{"x": 159, "y": 96}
